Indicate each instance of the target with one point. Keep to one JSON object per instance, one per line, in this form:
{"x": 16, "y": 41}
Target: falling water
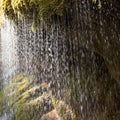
{"x": 9, "y": 56}
{"x": 77, "y": 57}
{"x": 8, "y": 50}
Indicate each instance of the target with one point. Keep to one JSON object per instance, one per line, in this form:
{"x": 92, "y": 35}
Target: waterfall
{"x": 42, "y": 53}
{"x": 8, "y": 50}
{"x": 76, "y": 57}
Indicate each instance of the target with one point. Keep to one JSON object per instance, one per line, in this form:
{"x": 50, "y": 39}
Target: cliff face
{"x": 96, "y": 25}
{"x": 96, "y": 22}
{"x": 106, "y": 35}
{"x": 78, "y": 52}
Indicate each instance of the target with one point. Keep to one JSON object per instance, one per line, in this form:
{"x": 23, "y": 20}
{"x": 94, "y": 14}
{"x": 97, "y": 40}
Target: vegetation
{"x": 33, "y": 9}
{"x": 38, "y": 9}
{"x": 63, "y": 110}
{"x": 32, "y": 101}
{"x": 28, "y": 99}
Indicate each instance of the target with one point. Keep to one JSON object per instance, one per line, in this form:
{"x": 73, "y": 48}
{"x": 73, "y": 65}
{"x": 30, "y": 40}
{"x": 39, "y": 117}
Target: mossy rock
{"x": 31, "y": 102}
{"x": 28, "y": 100}
{"x": 35, "y": 10}
{"x": 63, "y": 110}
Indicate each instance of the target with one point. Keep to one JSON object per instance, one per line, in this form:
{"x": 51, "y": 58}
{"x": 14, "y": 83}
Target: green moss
{"x": 33, "y": 9}
{"x": 63, "y": 110}
{"x": 18, "y": 78}
{"x": 25, "y": 98}
{"x": 28, "y": 100}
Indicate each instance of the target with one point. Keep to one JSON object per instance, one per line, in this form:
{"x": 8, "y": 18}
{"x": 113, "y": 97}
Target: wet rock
{"x": 27, "y": 99}
{"x": 53, "y": 115}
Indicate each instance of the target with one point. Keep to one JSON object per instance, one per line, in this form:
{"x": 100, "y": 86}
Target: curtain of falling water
{"x": 9, "y": 54}
{"x": 43, "y": 53}
{"x": 63, "y": 56}
{"x": 87, "y": 68}
{"x": 0, "y": 60}
{"x": 9, "y": 60}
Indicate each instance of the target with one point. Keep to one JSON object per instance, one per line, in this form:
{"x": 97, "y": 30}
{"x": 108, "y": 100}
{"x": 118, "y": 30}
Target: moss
{"x": 26, "y": 110}
{"x": 18, "y": 78}
{"x": 63, "y": 110}
{"x": 27, "y": 99}
{"x": 33, "y": 9}
{"x": 28, "y": 107}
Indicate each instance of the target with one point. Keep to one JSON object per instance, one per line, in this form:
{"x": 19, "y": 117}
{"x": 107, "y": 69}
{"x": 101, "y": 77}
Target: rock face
{"x": 38, "y": 101}
{"x": 80, "y": 53}
{"x": 97, "y": 28}
{"x": 94, "y": 23}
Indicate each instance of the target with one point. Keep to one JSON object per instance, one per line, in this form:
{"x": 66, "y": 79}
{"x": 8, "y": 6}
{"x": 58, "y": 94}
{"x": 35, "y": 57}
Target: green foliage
{"x": 25, "y": 98}
{"x": 33, "y": 9}
{"x": 28, "y": 100}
